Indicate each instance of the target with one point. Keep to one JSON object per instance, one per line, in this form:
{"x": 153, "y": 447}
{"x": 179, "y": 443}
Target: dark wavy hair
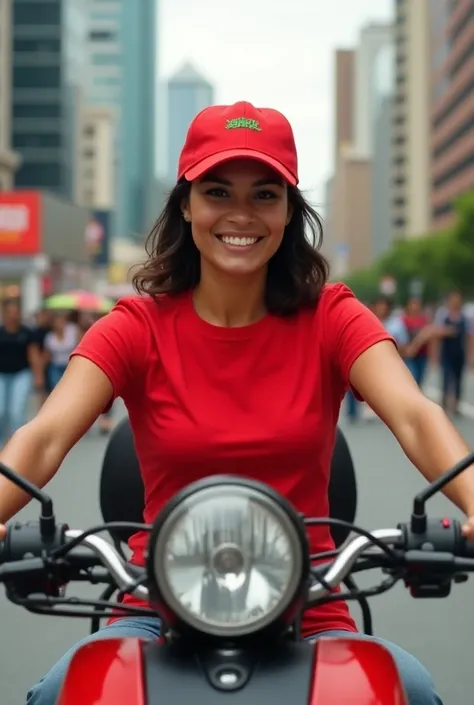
{"x": 296, "y": 272}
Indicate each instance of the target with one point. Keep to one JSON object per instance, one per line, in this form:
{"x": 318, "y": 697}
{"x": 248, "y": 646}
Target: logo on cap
{"x": 243, "y": 123}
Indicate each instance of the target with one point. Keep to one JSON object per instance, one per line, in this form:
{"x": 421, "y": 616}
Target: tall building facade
{"x": 9, "y": 160}
{"x": 374, "y": 38}
{"x": 122, "y": 49}
{"x": 452, "y": 114}
{"x": 95, "y": 184}
{"x": 48, "y": 70}
{"x": 188, "y": 94}
{"x": 381, "y": 193}
{"x": 359, "y": 88}
{"x": 411, "y": 146}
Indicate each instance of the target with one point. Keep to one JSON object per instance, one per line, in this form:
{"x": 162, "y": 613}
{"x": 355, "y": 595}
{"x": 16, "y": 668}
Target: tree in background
{"x": 439, "y": 262}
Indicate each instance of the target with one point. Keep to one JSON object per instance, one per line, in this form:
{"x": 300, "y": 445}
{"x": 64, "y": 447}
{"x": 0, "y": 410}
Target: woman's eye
{"x": 218, "y": 192}
{"x": 266, "y": 195}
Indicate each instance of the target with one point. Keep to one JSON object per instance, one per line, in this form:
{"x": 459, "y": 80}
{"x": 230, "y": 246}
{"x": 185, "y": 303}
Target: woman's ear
{"x": 185, "y": 211}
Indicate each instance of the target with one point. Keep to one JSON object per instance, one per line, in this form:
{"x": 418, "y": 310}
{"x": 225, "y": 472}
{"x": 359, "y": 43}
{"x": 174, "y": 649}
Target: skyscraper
{"x": 411, "y": 149}
{"x": 381, "y": 191}
{"x": 373, "y": 39}
{"x": 453, "y": 106}
{"x": 9, "y": 160}
{"x": 48, "y": 74}
{"x": 188, "y": 94}
{"x": 122, "y": 46}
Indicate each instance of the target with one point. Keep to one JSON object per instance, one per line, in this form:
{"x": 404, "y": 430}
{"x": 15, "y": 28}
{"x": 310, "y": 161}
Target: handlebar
{"x": 114, "y": 563}
{"x": 440, "y": 550}
{"x": 342, "y": 565}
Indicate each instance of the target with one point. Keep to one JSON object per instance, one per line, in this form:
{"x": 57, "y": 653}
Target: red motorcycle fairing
{"x": 134, "y": 672}
{"x": 354, "y": 671}
{"x": 331, "y": 672}
{"x": 106, "y": 672}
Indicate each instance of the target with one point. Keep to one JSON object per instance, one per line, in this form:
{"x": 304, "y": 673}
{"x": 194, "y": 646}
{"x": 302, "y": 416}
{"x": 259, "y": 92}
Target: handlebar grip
{"x": 466, "y": 548}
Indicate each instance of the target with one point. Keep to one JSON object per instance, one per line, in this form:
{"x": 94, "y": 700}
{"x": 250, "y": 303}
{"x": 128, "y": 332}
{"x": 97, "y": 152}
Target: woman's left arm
{"x": 424, "y": 431}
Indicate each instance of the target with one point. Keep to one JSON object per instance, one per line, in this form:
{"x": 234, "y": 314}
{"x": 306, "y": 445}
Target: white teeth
{"x": 239, "y": 241}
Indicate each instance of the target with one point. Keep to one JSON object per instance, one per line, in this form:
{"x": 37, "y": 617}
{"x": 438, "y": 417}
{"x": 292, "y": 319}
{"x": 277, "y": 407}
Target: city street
{"x": 438, "y": 632}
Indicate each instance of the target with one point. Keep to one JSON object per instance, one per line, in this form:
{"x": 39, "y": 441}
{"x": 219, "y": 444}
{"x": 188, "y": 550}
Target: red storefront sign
{"x": 20, "y": 223}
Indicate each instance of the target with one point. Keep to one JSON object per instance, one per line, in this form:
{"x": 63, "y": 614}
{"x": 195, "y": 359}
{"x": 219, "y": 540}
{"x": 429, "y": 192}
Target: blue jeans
{"x": 418, "y": 683}
{"x": 352, "y": 406}
{"x": 417, "y": 366}
{"x": 15, "y": 390}
{"x": 55, "y": 372}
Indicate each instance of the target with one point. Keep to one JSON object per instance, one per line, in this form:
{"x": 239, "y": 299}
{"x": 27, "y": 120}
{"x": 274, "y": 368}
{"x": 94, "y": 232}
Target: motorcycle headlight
{"x": 228, "y": 558}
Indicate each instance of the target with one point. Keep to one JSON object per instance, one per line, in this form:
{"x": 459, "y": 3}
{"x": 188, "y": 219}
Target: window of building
{"x": 467, "y": 54}
{"x": 461, "y": 97}
{"x": 37, "y": 45}
{"x": 463, "y": 23}
{"x": 34, "y": 13}
{"x": 88, "y": 154}
{"x": 22, "y": 140}
{"x": 36, "y": 76}
{"x": 39, "y": 175}
{"x": 463, "y": 165}
{"x": 399, "y": 181}
{"x": 444, "y": 209}
{"x": 455, "y": 136}
{"x": 89, "y": 131}
{"x": 399, "y": 223}
{"x": 38, "y": 110}
{"x": 102, "y": 35}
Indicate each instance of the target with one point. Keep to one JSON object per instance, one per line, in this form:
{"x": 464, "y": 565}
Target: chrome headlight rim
{"x": 163, "y": 594}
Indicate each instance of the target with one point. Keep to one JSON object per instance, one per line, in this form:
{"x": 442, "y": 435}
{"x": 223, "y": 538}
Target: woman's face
{"x": 12, "y": 314}
{"x": 59, "y": 322}
{"x": 414, "y": 307}
{"x": 238, "y": 214}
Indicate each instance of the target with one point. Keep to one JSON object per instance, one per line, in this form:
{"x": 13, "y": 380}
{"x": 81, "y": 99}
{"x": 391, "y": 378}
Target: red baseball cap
{"x": 224, "y": 132}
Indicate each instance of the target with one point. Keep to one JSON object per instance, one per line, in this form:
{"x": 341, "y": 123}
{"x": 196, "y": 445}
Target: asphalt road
{"x": 439, "y": 632}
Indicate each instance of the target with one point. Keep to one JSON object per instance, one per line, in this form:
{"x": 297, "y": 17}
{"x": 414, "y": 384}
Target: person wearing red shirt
{"x": 235, "y": 358}
{"x": 416, "y": 321}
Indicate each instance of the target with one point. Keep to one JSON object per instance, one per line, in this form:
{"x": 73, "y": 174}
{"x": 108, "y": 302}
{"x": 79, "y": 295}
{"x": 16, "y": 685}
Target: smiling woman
{"x": 236, "y": 210}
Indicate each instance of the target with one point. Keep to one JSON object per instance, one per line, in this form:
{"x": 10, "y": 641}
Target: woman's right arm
{"x": 37, "y": 450}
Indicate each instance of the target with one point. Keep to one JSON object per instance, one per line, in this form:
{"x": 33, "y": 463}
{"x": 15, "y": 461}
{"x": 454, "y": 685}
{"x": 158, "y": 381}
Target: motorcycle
{"x": 229, "y": 572}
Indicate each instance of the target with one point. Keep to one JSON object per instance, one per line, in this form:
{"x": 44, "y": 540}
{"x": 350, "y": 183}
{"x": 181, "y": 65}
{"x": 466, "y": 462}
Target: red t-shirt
{"x": 261, "y": 401}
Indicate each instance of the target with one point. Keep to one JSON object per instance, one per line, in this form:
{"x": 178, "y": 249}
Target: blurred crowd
{"x": 33, "y": 357}
{"x": 441, "y": 338}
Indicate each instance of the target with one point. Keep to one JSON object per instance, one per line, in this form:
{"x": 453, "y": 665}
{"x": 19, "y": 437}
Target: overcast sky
{"x": 274, "y": 53}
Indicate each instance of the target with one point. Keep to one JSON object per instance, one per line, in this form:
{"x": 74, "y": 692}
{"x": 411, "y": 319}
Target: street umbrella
{"x": 79, "y": 301}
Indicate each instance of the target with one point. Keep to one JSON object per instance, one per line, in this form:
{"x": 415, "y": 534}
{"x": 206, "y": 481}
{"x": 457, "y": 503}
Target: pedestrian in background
{"x": 21, "y": 366}
{"x": 415, "y": 321}
{"x": 41, "y": 327}
{"x": 59, "y": 343}
{"x": 455, "y": 332}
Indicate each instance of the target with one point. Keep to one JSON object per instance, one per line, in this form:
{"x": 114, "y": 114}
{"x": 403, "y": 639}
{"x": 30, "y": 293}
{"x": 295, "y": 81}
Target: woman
{"x": 20, "y": 366}
{"x": 237, "y": 358}
{"x": 41, "y": 329}
{"x": 58, "y": 345}
{"x": 456, "y": 339}
{"x": 415, "y": 322}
